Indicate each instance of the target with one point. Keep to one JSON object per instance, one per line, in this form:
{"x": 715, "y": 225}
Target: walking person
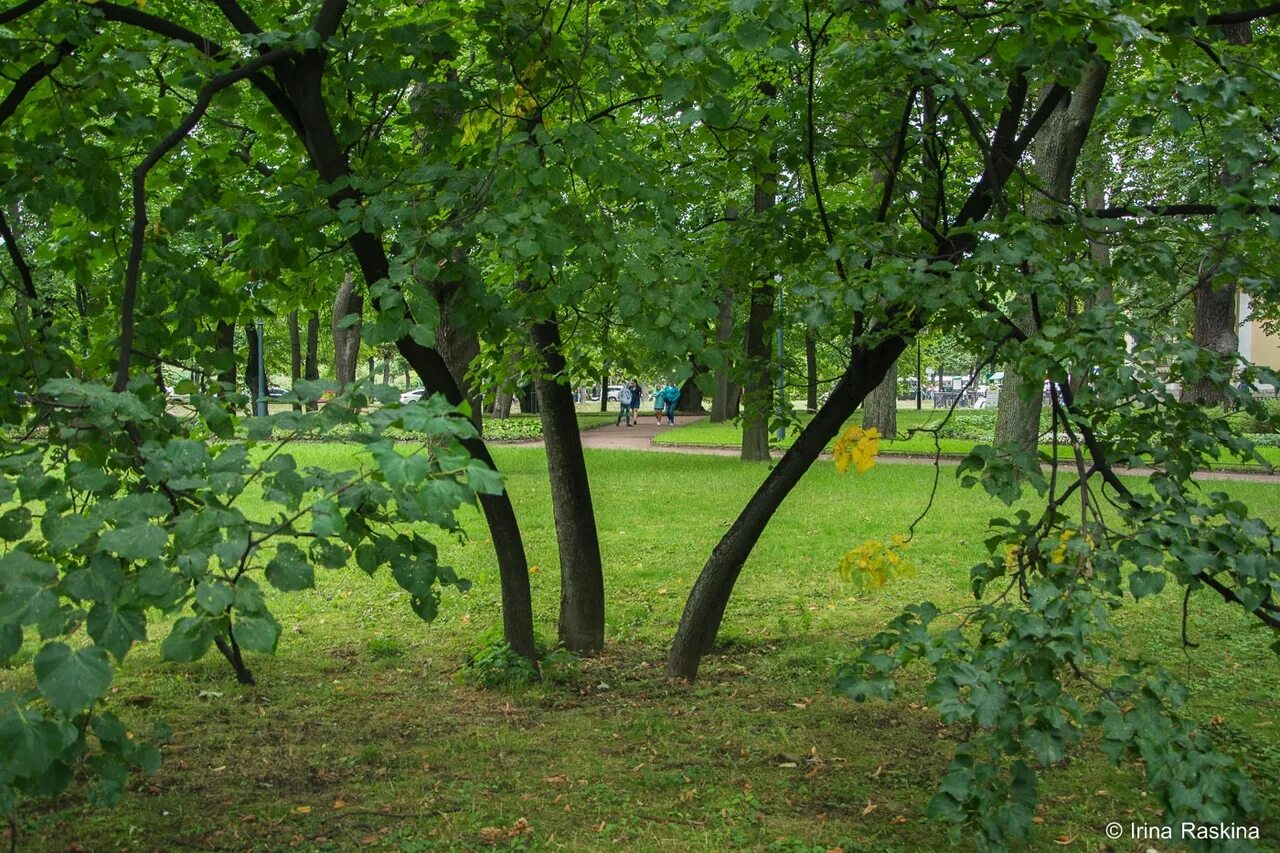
{"x": 636, "y": 393}
{"x": 624, "y": 404}
{"x": 670, "y": 396}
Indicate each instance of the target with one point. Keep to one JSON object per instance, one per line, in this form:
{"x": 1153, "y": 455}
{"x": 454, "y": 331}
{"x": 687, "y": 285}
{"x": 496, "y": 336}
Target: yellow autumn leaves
{"x": 857, "y": 446}
{"x": 874, "y": 563}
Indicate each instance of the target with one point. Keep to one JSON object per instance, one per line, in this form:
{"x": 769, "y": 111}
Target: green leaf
{"x": 1143, "y": 583}
{"x": 484, "y": 480}
{"x": 15, "y": 524}
{"x": 289, "y": 570}
{"x": 215, "y": 596}
{"x": 189, "y": 639}
{"x": 63, "y": 533}
{"x": 10, "y": 641}
{"x": 256, "y": 633}
{"x": 72, "y": 679}
{"x": 136, "y": 542}
{"x": 116, "y": 628}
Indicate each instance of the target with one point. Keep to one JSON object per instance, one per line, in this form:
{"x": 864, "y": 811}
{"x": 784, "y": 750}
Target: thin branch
{"x": 129, "y": 297}
{"x": 607, "y": 112}
{"x": 19, "y": 262}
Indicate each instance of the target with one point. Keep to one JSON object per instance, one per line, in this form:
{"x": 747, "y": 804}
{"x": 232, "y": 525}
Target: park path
{"x": 640, "y": 437}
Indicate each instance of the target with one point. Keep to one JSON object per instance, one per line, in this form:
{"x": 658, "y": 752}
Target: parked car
{"x": 275, "y": 391}
{"x": 412, "y": 396}
{"x": 613, "y": 393}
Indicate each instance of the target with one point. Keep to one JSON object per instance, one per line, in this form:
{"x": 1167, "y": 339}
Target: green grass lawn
{"x": 361, "y": 733}
{"x": 703, "y": 433}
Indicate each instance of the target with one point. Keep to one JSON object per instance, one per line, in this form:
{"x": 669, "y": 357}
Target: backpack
{"x": 624, "y": 395}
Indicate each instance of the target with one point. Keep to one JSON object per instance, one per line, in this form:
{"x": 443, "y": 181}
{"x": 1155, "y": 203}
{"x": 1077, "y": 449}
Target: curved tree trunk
{"x": 302, "y": 83}
{"x": 705, "y": 608}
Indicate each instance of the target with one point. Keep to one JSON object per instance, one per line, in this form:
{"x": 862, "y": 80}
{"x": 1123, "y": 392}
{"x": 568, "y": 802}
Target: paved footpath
{"x": 640, "y": 437}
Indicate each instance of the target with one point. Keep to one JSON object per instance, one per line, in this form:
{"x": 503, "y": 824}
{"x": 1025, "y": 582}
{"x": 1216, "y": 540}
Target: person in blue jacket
{"x": 670, "y": 396}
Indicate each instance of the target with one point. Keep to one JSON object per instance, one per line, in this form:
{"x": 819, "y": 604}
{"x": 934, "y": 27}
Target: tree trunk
{"x": 880, "y": 410}
{"x": 757, "y": 392}
{"x": 225, "y": 338}
{"x": 811, "y": 372}
{"x": 372, "y": 367}
{"x": 386, "y": 373}
{"x": 724, "y": 404}
{"x": 1215, "y": 330}
{"x": 691, "y": 393}
{"x": 502, "y": 404}
{"x": 311, "y": 368}
{"x": 311, "y": 364}
{"x": 581, "y": 628}
{"x": 295, "y": 352}
{"x": 1056, "y": 150}
{"x": 705, "y": 608}
{"x": 346, "y": 340}
{"x": 459, "y": 346}
{"x": 251, "y": 366}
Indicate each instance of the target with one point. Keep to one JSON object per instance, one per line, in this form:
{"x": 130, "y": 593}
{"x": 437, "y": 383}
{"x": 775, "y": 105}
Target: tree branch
{"x": 1244, "y": 16}
{"x": 1138, "y": 211}
{"x": 129, "y": 297}
{"x": 19, "y": 262}
{"x": 18, "y": 11}
{"x": 329, "y": 17}
{"x": 31, "y": 77}
{"x": 239, "y": 18}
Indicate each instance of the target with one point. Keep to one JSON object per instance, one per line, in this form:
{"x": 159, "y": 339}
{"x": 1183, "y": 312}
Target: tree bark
{"x": 757, "y": 392}
{"x": 459, "y": 346}
{"x": 295, "y": 352}
{"x": 311, "y": 364}
{"x": 811, "y": 373}
{"x": 346, "y": 341}
{"x": 1214, "y": 330}
{"x": 581, "y": 627}
{"x": 691, "y": 393}
{"x": 251, "y": 366}
{"x": 705, "y": 608}
{"x": 1056, "y": 150}
{"x": 225, "y": 342}
{"x": 724, "y": 404}
{"x": 880, "y": 410}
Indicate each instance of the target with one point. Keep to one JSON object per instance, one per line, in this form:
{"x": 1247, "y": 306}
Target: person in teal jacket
{"x": 670, "y": 395}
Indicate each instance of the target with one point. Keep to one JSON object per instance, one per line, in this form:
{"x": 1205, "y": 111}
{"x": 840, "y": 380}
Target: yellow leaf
{"x": 302, "y": 810}
{"x": 869, "y": 809}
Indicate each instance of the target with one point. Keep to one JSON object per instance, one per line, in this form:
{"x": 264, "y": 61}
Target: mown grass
{"x": 360, "y": 732}
{"x": 703, "y": 433}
